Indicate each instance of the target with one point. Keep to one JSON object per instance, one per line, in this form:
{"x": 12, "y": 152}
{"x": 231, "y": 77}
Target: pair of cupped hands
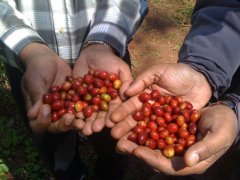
{"x": 217, "y": 126}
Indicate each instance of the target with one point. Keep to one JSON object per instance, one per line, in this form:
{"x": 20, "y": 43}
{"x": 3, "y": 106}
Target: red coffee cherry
{"x": 144, "y": 97}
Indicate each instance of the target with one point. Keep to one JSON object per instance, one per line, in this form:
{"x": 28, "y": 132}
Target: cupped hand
{"x": 100, "y": 57}
{"x": 170, "y": 79}
{"x": 44, "y": 68}
{"x": 213, "y": 142}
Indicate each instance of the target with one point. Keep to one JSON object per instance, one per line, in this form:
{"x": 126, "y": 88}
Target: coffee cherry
{"x": 102, "y": 75}
{"x": 155, "y": 94}
{"x": 90, "y": 93}
{"x": 87, "y": 112}
{"x": 78, "y": 106}
{"x": 132, "y": 137}
{"x": 88, "y": 79}
{"x": 144, "y": 97}
{"x": 179, "y": 149}
{"x": 194, "y": 115}
{"x": 161, "y": 144}
{"x": 169, "y": 151}
{"x": 66, "y": 86}
{"x": 54, "y": 88}
{"x": 103, "y": 106}
{"x": 106, "y": 97}
{"x": 154, "y": 135}
{"x": 142, "y": 138}
{"x": 117, "y": 84}
{"x": 47, "y": 98}
{"x": 112, "y": 77}
{"x": 172, "y": 128}
{"x": 57, "y": 105}
{"x": 54, "y": 116}
{"x": 138, "y": 115}
{"x": 151, "y": 143}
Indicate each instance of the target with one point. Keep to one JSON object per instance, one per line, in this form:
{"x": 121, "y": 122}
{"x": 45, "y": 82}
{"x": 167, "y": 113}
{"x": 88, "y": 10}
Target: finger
{"x": 126, "y": 78}
{"x": 87, "y": 129}
{"x": 64, "y": 124}
{"x": 80, "y": 115}
{"x": 43, "y": 119}
{"x": 33, "y": 109}
{"x": 213, "y": 144}
{"x": 112, "y": 106}
{"x": 99, "y": 122}
{"x": 124, "y": 109}
{"x": 144, "y": 80}
{"x": 215, "y": 140}
{"x": 123, "y": 127}
{"x": 159, "y": 162}
{"x": 78, "y": 124}
{"x": 125, "y": 146}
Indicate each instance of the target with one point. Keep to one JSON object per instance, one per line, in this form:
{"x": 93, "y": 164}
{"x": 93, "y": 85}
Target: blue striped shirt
{"x": 64, "y": 25}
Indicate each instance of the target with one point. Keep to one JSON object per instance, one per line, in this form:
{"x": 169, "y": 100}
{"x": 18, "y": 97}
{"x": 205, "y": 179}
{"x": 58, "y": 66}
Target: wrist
{"x": 228, "y": 103}
{"x": 97, "y": 44}
{"x": 31, "y": 50}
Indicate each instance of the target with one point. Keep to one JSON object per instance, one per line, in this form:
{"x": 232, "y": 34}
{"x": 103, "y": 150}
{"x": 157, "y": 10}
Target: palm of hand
{"x": 211, "y": 145}
{"x": 100, "y": 58}
{"x": 175, "y": 80}
{"x": 41, "y": 73}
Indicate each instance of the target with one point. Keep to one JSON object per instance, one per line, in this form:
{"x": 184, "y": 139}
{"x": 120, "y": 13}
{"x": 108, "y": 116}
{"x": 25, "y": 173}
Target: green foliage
{"x": 3, "y": 169}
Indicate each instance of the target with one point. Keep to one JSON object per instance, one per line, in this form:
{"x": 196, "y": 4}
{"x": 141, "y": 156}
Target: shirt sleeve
{"x": 116, "y": 21}
{"x": 15, "y": 30}
{"x": 212, "y": 44}
{"x": 235, "y": 97}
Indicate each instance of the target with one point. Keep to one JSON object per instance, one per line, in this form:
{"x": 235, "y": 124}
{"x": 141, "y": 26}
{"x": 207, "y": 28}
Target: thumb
{"x": 213, "y": 145}
{"x": 34, "y": 109}
{"x": 43, "y": 119}
{"x": 143, "y": 80}
{"x": 125, "y": 76}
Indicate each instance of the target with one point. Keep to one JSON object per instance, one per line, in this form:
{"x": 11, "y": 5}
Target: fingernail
{"x": 194, "y": 158}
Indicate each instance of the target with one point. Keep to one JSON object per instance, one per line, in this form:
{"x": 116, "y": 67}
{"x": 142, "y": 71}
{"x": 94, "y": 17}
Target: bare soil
{"x": 161, "y": 34}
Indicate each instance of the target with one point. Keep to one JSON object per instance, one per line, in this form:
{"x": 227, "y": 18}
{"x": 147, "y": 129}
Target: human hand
{"x": 169, "y": 79}
{"x": 213, "y": 142}
{"x": 44, "y": 68}
{"x": 100, "y": 57}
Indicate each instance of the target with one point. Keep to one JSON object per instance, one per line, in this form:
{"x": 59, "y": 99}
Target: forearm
{"x": 117, "y": 23}
{"x": 15, "y": 31}
{"x": 212, "y": 44}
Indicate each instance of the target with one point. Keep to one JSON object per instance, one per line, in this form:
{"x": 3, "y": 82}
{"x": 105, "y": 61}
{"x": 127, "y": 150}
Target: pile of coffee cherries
{"x": 167, "y": 123}
{"x": 88, "y": 94}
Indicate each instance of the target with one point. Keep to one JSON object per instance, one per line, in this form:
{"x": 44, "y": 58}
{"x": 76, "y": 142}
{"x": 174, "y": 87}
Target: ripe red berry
{"x": 87, "y": 112}
{"x": 57, "y": 105}
{"x": 144, "y": 97}
{"x": 66, "y": 86}
{"x": 102, "y": 75}
{"x": 172, "y": 128}
{"x": 142, "y": 138}
{"x": 47, "y": 98}
{"x": 151, "y": 143}
{"x": 155, "y": 94}
{"x": 138, "y": 115}
{"x": 54, "y": 116}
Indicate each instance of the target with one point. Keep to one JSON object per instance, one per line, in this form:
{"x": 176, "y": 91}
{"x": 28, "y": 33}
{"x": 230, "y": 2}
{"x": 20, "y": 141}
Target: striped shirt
{"x": 64, "y": 25}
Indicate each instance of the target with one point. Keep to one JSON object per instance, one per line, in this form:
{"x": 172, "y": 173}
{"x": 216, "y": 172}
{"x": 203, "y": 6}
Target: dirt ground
{"x": 160, "y": 36}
